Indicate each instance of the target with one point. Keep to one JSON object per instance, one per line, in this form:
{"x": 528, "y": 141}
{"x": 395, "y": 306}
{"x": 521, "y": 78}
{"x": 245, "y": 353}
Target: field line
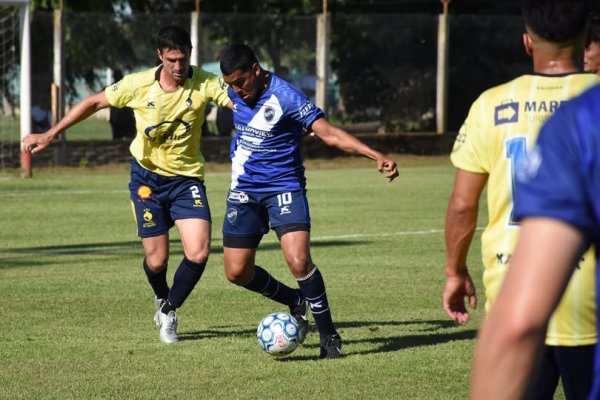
{"x": 365, "y": 235}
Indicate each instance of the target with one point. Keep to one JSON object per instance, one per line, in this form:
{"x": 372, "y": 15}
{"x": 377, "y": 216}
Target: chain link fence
{"x": 383, "y": 66}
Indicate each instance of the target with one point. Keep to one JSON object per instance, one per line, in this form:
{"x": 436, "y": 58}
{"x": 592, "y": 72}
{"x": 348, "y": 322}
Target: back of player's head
{"x": 174, "y": 38}
{"x": 237, "y": 57}
{"x": 593, "y": 28}
{"x": 556, "y": 20}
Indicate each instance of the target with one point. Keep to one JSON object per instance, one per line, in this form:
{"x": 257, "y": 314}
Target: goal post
{"x": 24, "y": 77}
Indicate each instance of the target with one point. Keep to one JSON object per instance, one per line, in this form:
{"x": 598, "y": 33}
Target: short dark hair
{"x": 173, "y": 37}
{"x": 556, "y": 20}
{"x": 593, "y": 28}
{"x": 237, "y": 57}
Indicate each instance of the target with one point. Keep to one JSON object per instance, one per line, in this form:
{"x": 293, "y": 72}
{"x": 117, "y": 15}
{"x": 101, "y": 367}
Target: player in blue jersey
{"x": 167, "y": 173}
{"x": 268, "y": 187}
{"x": 559, "y": 208}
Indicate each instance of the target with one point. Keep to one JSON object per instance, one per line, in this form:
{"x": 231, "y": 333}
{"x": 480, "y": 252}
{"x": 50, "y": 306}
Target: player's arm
{"x": 461, "y": 221}
{"x": 82, "y": 110}
{"x": 337, "y": 137}
{"x": 513, "y": 333}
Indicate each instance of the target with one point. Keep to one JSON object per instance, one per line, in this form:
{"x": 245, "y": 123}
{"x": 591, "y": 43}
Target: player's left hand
{"x": 389, "y": 167}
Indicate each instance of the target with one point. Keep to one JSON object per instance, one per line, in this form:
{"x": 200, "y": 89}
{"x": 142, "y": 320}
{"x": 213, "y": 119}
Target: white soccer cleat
{"x": 168, "y": 327}
{"x": 158, "y": 303}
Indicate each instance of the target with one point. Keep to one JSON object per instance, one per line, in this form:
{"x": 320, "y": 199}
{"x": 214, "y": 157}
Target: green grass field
{"x": 77, "y": 310}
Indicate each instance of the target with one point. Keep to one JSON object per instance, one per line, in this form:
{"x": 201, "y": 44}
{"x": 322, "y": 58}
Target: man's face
{"x": 591, "y": 58}
{"x": 246, "y": 84}
{"x": 176, "y": 64}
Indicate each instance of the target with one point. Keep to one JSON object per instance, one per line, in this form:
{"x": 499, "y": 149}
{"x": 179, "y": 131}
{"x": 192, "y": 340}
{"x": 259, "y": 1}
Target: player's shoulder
{"x": 280, "y": 86}
{"x": 142, "y": 78}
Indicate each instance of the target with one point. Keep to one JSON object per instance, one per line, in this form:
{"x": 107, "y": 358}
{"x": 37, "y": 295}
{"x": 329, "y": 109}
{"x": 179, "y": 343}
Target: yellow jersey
{"x": 168, "y": 124}
{"x": 501, "y": 126}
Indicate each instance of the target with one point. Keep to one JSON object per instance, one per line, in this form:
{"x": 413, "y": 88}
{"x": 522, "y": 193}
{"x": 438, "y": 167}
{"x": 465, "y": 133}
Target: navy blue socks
{"x": 158, "y": 281}
{"x": 312, "y": 287}
{"x": 186, "y": 277}
{"x": 262, "y": 282}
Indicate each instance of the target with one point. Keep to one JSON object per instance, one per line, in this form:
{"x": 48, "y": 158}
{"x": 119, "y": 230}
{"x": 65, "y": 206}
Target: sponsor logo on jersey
{"x": 167, "y": 127}
{"x": 198, "y": 203}
{"x": 149, "y": 218}
{"x": 232, "y": 215}
{"x": 150, "y": 104}
{"x": 542, "y": 106}
{"x": 506, "y": 113}
{"x": 306, "y": 108}
{"x": 269, "y": 114}
{"x": 238, "y": 197}
{"x": 144, "y": 192}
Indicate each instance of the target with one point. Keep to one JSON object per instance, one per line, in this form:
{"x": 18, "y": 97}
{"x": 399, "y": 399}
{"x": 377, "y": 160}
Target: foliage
{"x": 386, "y": 74}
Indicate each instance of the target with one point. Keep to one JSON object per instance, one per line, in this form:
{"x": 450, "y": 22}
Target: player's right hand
{"x": 457, "y": 289}
{"x": 35, "y": 142}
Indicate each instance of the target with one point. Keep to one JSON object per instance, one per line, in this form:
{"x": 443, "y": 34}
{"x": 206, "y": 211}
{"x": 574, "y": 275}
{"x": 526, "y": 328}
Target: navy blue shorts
{"x": 251, "y": 214}
{"x": 158, "y": 201}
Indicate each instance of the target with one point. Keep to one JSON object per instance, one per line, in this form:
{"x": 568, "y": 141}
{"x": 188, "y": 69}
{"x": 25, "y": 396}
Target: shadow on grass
{"x": 35, "y": 256}
{"x": 435, "y": 332}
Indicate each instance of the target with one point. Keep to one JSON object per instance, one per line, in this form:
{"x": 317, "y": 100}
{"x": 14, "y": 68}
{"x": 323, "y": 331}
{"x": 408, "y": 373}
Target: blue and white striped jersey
{"x": 266, "y": 152}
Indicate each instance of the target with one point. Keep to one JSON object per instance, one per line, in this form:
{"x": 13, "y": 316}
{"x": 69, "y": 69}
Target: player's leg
{"x": 241, "y": 270}
{"x": 188, "y": 208}
{"x": 290, "y": 217}
{"x": 245, "y": 223}
{"x": 153, "y": 224}
{"x": 156, "y": 250}
{"x": 296, "y": 250}
{"x": 576, "y": 366}
{"x": 195, "y": 238}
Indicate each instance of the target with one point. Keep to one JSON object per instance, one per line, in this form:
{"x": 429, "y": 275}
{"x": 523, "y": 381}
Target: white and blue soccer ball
{"x": 278, "y": 333}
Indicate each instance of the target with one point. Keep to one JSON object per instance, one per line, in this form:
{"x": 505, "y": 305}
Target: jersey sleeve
{"x": 468, "y": 152}
{"x": 301, "y": 109}
{"x": 550, "y": 181}
{"x": 120, "y": 93}
{"x": 216, "y": 90}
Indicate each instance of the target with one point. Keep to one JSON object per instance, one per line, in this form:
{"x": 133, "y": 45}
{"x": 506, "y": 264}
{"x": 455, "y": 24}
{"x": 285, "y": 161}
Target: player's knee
{"x": 199, "y": 257}
{"x": 238, "y": 275}
{"x": 156, "y": 263}
{"x": 300, "y": 265}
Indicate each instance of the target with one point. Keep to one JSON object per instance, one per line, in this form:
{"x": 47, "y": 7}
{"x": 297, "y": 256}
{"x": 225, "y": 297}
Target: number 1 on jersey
{"x": 516, "y": 150}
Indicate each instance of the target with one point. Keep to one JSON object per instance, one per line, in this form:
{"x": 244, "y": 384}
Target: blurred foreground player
{"x": 500, "y": 129}
{"x": 559, "y": 209}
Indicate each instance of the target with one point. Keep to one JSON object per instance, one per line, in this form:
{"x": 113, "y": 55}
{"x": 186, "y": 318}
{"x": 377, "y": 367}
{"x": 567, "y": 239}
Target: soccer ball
{"x": 277, "y": 334}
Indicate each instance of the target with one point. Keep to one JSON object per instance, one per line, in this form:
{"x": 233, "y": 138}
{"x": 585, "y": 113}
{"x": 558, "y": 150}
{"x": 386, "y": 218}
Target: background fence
{"x": 383, "y": 67}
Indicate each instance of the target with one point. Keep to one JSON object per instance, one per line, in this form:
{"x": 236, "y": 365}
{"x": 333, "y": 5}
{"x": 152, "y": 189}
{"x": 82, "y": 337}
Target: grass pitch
{"x": 77, "y": 310}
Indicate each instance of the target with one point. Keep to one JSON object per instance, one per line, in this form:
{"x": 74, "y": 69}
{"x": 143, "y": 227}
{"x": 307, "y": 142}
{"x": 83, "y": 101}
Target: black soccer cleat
{"x": 331, "y": 347}
{"x": 300, "y": 314}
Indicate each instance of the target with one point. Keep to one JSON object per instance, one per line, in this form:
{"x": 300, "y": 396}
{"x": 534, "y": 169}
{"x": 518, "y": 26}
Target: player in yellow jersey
{"x": 167, "y": 172}
{"x": 500, "y": 128}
